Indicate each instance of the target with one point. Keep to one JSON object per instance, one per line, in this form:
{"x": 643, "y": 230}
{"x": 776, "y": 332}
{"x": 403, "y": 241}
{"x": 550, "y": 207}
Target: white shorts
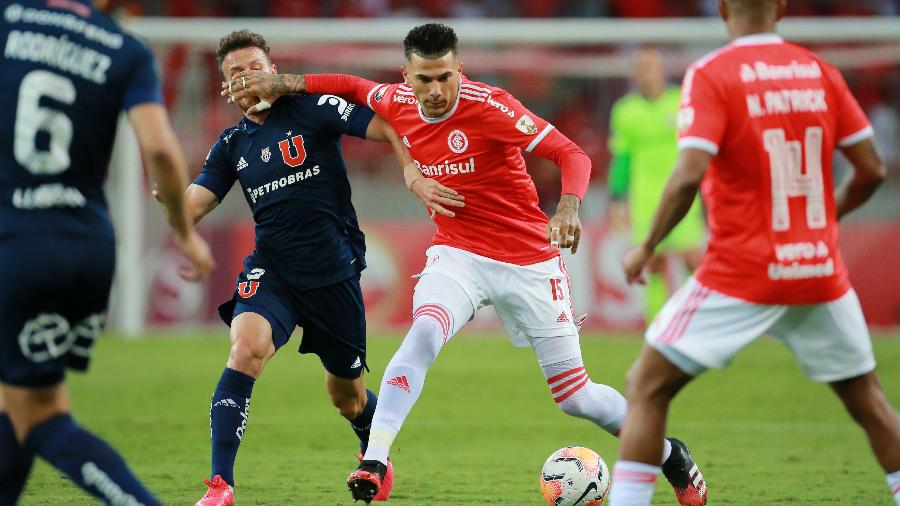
{"x": 532, "y": 300}
{"x": 700, "y": 328}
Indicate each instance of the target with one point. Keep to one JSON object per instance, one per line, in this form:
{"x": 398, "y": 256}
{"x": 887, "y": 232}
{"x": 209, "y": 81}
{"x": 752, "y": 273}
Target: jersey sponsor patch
{"x": 526, "y": 125}
{"x": 343, "y": 108}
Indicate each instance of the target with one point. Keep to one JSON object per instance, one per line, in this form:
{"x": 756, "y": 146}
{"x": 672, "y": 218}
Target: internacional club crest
{"x": 457, "y": 141}
{"x": 266, "y": 154}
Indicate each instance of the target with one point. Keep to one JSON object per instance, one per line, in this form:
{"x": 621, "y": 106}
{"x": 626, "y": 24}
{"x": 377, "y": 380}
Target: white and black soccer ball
{"x": 575, "y": 476}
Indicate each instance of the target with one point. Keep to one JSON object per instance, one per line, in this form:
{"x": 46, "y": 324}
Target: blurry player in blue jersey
{"x": 68, "y": 72}
{"x": 309, "y": 253}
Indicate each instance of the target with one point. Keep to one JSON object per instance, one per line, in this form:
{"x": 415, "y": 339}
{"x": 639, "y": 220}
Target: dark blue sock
{"x": 228, "y": 413}
{"x": 15, "y": 463}
{"x": 88, "y": 461}
{"x": 362, "y": 423}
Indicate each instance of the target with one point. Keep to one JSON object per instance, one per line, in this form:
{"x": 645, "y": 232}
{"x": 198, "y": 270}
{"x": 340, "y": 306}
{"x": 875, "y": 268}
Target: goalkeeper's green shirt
{"x": 644, "y": 148}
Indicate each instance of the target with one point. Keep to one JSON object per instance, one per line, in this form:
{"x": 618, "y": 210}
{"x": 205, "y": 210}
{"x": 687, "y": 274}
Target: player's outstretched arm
{"x": 678, "y": 195}
{"x": 868, "y": 174}
{"x": 163, "y": 158}
{"x": 268, "y": 87}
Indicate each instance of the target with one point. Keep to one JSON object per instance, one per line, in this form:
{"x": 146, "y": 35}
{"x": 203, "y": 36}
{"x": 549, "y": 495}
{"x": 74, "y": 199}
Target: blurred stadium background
{"x": 568, "y": 60}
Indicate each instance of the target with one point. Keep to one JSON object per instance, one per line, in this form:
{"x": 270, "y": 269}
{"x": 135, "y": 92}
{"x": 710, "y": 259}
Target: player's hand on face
{"x": 254, "y": 83}
{"x": 634, "y": 262}
{"x": 198, "y": 253}
{"x": 435, "y": 196}
{"x": 564, "y": 228}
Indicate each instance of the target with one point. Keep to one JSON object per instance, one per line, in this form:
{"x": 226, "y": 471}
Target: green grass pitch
{"x": 480, "y": 432}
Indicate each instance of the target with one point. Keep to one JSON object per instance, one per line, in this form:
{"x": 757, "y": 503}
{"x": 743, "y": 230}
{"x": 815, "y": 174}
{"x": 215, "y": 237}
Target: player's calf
{"x": 88, "y": 461}
{"x": 15, "y": 463}
{"x": 578, "y": 396}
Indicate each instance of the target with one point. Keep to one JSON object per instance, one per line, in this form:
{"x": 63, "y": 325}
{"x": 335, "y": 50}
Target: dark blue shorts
{"x": 53, "y": 305}
{"x": 332, "y": 317}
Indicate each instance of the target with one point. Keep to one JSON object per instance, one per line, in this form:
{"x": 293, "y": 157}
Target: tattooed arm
{"x": 267, "y": 86}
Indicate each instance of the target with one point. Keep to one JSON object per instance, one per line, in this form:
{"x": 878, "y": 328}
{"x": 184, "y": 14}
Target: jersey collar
{"x": 447, "y": 114}
{"x": 757, "y": 39}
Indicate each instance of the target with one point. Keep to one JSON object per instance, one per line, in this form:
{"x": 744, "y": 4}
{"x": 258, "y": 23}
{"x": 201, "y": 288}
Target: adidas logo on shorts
{"x": 357, "y": 363}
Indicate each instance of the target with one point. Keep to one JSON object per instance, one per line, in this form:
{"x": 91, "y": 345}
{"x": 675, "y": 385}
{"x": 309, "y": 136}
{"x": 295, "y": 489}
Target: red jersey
{"x": 771, "y": 114}
{"x": 476, "y": 149}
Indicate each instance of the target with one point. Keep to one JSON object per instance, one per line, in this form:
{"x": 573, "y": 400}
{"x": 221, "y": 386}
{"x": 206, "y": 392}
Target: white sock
{"x": 402, "y": 383}
{"x": 632, "y": 483}
{"x": 893, "y": 481}
{"x": 578, "y": 396}
{"x": 667, "y": 450}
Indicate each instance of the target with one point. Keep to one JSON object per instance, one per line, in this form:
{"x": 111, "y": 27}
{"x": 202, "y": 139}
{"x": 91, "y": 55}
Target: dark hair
{"x": 431, "y": 40}
{"x": 239, "y": 40}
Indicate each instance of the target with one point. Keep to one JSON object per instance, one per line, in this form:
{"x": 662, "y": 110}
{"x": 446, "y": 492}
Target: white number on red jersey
{"x": 790, "y": 180}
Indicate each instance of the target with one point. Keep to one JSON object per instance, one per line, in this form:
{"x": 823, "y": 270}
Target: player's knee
{"x": 249, "y": 355}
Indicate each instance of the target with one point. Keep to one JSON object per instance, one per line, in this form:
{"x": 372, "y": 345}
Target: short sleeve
{"x": 506, "y": 120}
{"x": 852, "y": 123}
{"x": 217, "y": 175}
{"x": 342, "y": 117}
{"x": 702, "y": 117}
{"x": 618, "y": 141}
{"x": 143, "y": 85}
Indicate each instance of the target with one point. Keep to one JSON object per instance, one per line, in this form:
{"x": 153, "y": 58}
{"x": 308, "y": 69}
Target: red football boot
{"x": 684, "y": 475}
{"x": 220, "y": 493}
{"x": 386, "y": 485}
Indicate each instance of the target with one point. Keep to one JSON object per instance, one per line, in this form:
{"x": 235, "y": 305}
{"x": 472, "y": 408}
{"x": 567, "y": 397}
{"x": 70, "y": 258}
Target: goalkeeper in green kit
{"x": 643, "y": 147}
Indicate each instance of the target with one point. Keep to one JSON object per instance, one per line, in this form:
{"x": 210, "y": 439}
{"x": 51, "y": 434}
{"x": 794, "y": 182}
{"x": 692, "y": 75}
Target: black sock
{"x": 228, "y": 413}
{"x": 15, "y": 463}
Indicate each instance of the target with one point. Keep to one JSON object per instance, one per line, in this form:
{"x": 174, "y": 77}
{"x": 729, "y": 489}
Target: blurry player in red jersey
{"x": 497, "y": 248}
{"x": 760, "y": 119}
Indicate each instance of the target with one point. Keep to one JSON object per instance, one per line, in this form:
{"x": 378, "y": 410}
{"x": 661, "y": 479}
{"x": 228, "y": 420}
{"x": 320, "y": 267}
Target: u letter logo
{"x": 286, "y": 155}
{"x": 247, "y": 289}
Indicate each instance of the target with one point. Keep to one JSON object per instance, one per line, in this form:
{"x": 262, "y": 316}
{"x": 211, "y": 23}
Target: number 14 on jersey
{"x": 790, "y": 180}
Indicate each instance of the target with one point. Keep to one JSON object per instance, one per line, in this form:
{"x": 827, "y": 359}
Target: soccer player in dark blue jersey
{"x": 309, "y": 252}
{"x": 68, "y": 72}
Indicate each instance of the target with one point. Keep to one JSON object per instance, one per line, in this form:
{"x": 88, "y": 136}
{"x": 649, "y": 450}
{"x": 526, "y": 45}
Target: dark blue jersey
{"x": 292, "y": 174}
{"x": 68, "y": 71}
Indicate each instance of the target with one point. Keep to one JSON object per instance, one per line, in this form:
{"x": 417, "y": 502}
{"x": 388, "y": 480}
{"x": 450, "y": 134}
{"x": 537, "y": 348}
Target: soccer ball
{"x": 575, "y": 476}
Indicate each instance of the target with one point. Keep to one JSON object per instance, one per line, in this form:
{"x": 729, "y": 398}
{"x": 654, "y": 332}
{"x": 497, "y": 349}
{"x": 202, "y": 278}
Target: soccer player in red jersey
{"x": 497, "y": 248}
{"x": 759, "y": 121}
